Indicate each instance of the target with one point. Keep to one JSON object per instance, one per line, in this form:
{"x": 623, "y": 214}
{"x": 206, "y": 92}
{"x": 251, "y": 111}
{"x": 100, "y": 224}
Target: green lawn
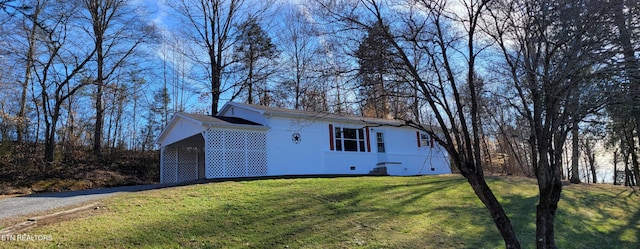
{"x": 350, "y": 212}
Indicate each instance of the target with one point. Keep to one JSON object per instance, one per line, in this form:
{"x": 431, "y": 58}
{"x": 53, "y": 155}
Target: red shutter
{"x": 368, "y": 140}
{"x": 331, "y": 137}
{"x": 418, "y": 138}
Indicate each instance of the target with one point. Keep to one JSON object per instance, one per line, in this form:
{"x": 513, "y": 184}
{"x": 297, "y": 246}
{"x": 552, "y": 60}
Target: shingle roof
{"x": 275, "y": 111}
{"x": 235, "y": 120}
{"x": 217, "y": 120}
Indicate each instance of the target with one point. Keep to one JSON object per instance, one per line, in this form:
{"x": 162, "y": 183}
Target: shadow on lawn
{"x": 396, "y": 214}
{"x": 610, "y": 218}
{"x": 355, "y": 215}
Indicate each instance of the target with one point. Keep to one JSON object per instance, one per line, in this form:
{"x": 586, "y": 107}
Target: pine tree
{"x": 375, "y": 59}
{"x": 254, "y": 47}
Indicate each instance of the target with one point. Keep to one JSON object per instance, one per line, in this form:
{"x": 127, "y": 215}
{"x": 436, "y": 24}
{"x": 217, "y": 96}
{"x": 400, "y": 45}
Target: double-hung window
{"x": 349, "y": 139}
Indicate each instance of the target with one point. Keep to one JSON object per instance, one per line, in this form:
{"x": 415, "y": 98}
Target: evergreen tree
{"x": 374, "y": 57}
{"x": 254, "y": 48}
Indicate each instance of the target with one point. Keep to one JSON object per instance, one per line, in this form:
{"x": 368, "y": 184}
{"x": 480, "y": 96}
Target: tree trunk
{"x": 484, "y": 193}
{"x": 550, "y": 188}
{"x": 633, "y": 172}
{"x": 627, "y": 172}
{"x": 50, "y": 133}
{"x": 615, "y": 167}
{"x": 99, "y": 81}
{"x": 216, "y": 68}
{"x": 22, "y": 121}
{"x": 49, "y": 142}
{"x": 545, "y": 215}
{"x": 250, "y": 82}
{"x": 636, "y": 170}
{"x": 631, "y": 67}
{"x": 575, "y": 154}
{"x": 592, "y": 165}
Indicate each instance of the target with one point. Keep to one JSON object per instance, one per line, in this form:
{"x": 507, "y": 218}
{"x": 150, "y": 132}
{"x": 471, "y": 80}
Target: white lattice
{"x": 187, "y": 172}
{"x": 187, "y": 164}
{"x": 256, "y": 141}
{"x": 235, "y": 153}
{"x": 215, "y": 163}
{"x": 235, "y": 140}
{"x": 257, "y": 163}
{"x": 179, "y": 164}
{"x": 236, "y": 163}
{"x": 215, "y": 139}
{"x": 169, "y": 165}
{"x": 214, "y": 150}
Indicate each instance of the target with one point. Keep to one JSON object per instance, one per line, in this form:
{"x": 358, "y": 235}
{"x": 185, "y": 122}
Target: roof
{"x": 216, "y": 120}
{"x": 236, "y": 120}
{"x": 200, "y": 122}
{"x": 283, "y": 112}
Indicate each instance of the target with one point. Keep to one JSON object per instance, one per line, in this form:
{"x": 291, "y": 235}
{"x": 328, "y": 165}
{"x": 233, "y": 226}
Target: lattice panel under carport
{"x": 169, "y": 165}
{"x": 235, "y": 153}
{"x": 187, "y": 164}
{"x": 180, "y": 164}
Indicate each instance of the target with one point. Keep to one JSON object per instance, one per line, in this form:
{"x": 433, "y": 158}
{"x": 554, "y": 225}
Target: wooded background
{"x": 94, "y": 80}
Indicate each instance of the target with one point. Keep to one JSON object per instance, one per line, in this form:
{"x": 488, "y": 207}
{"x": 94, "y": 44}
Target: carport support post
{"x": 207, "y": 152}
{"x": 162, "y": 164}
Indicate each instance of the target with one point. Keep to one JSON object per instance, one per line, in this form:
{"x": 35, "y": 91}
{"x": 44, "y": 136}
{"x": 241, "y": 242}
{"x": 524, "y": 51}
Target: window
{"x": 380, "y": 142}
{"x": 425, "y": 140}
{"x": 349, "y": 139}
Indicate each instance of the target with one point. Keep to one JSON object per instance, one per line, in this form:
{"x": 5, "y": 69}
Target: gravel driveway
{"x": 24, "y": 205}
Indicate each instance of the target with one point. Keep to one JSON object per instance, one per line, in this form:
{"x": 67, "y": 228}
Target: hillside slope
{"x": 350, "y": 212}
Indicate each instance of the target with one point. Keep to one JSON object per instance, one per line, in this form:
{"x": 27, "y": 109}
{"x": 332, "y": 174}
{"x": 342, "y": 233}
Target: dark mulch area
{"x": 23, "y": 171}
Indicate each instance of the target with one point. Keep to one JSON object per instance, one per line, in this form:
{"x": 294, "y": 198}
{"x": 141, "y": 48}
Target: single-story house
{"x": 250, "y": 140}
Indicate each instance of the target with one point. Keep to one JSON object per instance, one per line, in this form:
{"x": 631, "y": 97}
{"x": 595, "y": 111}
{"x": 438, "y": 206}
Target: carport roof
{"x": 185, "y": 125}
{"x": 218, "y": 120}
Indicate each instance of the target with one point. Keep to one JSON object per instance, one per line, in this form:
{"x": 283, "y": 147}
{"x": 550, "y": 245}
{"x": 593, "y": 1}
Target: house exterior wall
{"x": 251, "y": 115}
{"x": 312, "y": 154}
{"x": 304, "y": 145}
{"x": 288, "y": 157}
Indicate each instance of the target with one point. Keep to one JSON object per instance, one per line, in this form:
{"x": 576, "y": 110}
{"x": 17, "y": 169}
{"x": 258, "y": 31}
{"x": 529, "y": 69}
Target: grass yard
{"x": 350, "y": 212}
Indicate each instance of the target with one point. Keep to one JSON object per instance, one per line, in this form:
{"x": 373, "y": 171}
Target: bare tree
{"x": 175, "y": 70}
{"x": 424, "y": 26}
{"x": 551, "y": 49}
{"x": 211, "y": 26}
{"x": 575, "y": 152}
{"x": 299, "y": 44}
{"x": 20, "y": 21}
{"x": 626, "y": 18}
{"x": 31, "y": 27}
{"x": 117, "y": 33}
{"x": 62, "y": 59}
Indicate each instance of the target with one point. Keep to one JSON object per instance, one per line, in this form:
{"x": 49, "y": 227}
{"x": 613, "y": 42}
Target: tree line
{"x": 522, "y": 87}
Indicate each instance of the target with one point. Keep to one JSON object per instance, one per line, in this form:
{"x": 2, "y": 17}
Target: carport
{"x": 197, "y": 146}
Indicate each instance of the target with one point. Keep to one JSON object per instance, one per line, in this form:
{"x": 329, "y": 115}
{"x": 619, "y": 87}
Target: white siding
{"x": 286, "y": 157}
{"x": 312, "y": 154}
{"x": 180, "y": 129}
{"x": 239, "y": 151}
{"x": 247, "y": 114}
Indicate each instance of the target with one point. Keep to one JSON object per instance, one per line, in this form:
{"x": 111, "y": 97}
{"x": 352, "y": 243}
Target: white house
{"x": 250, "y": 140}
